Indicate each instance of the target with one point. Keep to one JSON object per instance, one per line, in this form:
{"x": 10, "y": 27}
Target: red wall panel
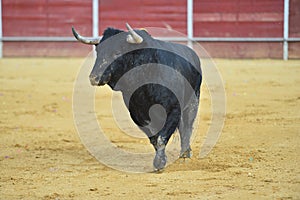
{"x": 238, "y": 18}
{"x": 24, "y": 18}
{"x": 143, "y": 13}
{"x": 45, "y": 49}
{"x": 243, "y": 49}
{"x": 46, "y": 17}
{"x": 294, "y": 50}
{"x": 63, "y": 14}
{"x": 294, "y": 22}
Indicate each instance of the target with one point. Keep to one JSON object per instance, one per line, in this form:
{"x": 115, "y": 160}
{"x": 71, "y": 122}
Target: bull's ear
{"x": 133, "y": 38}
{"x": 143, "y": 29}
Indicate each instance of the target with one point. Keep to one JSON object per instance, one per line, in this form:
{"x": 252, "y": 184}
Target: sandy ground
{"x": 257, "y": 156}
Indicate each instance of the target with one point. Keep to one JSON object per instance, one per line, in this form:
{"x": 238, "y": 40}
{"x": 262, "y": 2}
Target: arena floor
{"x": 256, "y": 157}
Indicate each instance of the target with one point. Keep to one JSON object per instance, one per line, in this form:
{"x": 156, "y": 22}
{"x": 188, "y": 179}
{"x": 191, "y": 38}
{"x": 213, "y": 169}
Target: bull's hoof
{"x": 159, "y": 161}
{"x": 158, "y": 171}
{"x": 186, "y": 154}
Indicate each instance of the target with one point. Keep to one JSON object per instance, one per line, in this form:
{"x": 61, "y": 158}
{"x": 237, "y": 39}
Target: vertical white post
{"x": 1, "y": 34}
{"x": 95, "y": 18}
{"x": 95, "y": 27}
{"x": 190, "y": 22}
{"x": 286, "y": 30}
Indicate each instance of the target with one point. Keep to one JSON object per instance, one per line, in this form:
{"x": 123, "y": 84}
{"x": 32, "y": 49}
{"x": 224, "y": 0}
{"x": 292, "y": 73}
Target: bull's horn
{"x": 133, "y": 37}
{"x": 83, "y": 39}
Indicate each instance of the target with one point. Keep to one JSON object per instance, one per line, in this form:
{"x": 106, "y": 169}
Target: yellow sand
{"x": 257, "y": 156}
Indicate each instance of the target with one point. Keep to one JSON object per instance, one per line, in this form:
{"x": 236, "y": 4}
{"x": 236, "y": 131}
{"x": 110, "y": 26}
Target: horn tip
{"x": 127, "y": 26}
{"x": 74, "y": 32}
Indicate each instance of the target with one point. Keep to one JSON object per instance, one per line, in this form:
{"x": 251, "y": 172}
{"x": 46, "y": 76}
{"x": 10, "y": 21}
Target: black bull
{"x": 160, "y": 83}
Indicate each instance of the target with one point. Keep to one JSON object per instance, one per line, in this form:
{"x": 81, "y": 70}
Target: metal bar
{"x": 69, "y": 39}
{"x": 95, "y": 18}
{"x": 190, "y": 21}
{"x": 236, "y": 39}
{"x": 293, "y": 39}
{"x": 37, "y": 39}
{"x": 286, "y": 30}
{"x": 175, "y": 39}
{"x": 183, "y": 39}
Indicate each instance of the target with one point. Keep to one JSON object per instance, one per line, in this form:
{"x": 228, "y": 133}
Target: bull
{"x": 162, "y": 105}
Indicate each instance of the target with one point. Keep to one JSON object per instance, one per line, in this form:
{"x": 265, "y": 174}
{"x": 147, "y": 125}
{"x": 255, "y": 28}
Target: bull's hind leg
{"x": 186, "y": 129}
{"x": 185, "y": 136}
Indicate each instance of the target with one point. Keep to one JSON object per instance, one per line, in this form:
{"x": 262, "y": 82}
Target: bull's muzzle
{"x": 100, "y": 80}
{"x": 95, "y": 80}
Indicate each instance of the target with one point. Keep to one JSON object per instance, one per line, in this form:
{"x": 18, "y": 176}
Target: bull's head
{"x": 99, "y": 76}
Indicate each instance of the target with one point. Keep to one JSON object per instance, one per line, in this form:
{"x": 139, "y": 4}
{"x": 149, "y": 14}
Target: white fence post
{"x": 95, "y": 23}
{"x": 286, "y": 30}
{"x": 190, "y": 22}
{"x": 95, "y": 18}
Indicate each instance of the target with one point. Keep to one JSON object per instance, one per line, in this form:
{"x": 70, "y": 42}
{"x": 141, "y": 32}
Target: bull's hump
{"x": 143, "y": 56}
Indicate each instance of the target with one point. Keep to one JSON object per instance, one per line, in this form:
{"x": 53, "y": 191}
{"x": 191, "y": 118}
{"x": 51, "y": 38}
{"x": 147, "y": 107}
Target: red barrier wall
{"x": 212, "y": 18}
